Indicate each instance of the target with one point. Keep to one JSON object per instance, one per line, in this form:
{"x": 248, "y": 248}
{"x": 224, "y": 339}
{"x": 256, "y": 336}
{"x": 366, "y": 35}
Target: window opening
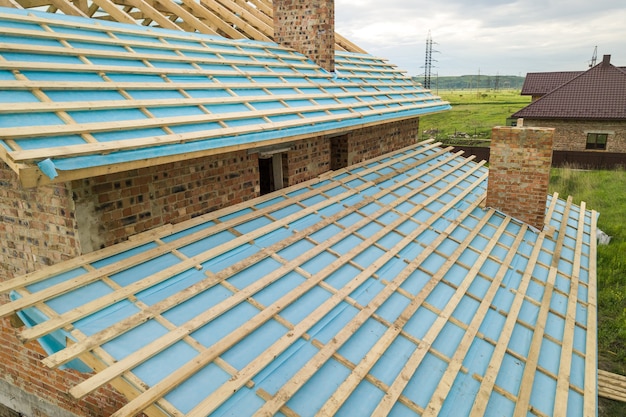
{"x": 596, "y": 140}
{"x": 270, "y": 172}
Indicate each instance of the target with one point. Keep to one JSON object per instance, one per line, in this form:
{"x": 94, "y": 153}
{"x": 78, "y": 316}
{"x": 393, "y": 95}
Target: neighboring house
{"x": 538, "y": 84}
{"x": 234, "y": 227}
{"x": 587, "y": 111}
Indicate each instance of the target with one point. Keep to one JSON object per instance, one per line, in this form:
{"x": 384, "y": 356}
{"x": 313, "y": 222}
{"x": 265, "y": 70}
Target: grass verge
{"x": 472, "y": 116}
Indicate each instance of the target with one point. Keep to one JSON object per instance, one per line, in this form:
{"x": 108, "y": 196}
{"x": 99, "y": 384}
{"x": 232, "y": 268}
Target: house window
{"x": 596, "y": 140}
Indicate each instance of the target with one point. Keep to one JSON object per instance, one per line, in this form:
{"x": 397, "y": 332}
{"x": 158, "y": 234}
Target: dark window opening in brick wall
{"x": 596, "y": 140}
{"x": 271, "y": 177}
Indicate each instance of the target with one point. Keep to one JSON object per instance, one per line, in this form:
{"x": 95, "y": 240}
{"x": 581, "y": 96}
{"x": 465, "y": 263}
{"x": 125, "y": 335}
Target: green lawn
{"x": 474, "y": 113}
{"x": 605, "y": 192}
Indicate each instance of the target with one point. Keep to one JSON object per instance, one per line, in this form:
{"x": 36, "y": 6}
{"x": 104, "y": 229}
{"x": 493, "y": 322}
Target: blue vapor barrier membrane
{"x": 52, "y": 342}
{"x": 81, "y": 162}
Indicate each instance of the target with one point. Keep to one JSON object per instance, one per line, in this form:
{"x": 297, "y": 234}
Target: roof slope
{"x": 380, "y": 287}
{"x": 78, "y": 94}
{"x": 540, "y": 83}
{"x": 598, "y": 93}
{"x": 234, "y": 19}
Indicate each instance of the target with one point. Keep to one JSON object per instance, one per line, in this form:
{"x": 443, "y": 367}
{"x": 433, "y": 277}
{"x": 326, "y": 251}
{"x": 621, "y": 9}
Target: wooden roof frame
{"x": 235, "y": 19}
{"x": 571, "y": 238}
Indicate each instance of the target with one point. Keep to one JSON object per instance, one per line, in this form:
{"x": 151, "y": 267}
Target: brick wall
{"x": 307, "y": 159}
{"x": 308, "y": 27}
{"x": 112, "y": 207}
{"x": 571, "y": 135}
{"x": 42, "y": 392}
{"x": 37, "y": 226}
{"x": 519, "y": 172}
{"x": 370, "y": 142}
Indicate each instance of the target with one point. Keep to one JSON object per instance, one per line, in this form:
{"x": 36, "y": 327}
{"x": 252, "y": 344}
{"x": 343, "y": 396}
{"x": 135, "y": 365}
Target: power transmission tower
{"x": 428, "y": 63}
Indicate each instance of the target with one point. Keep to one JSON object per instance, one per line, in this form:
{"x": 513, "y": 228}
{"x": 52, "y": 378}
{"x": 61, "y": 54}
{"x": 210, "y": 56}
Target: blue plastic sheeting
{"x": 241, "y": 58}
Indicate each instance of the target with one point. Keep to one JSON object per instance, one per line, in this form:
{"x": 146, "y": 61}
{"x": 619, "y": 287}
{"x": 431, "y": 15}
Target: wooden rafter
{"x": 235, "y": 19}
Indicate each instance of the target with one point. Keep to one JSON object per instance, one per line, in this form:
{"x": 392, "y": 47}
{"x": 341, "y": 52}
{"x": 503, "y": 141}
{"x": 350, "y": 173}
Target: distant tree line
{"x": 473, "y": 82}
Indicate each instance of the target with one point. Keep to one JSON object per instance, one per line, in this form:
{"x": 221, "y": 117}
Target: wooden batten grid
{"x": 229, "y": 18}
{"x": 436, "y": 167}
{"x": 369, "y": 92}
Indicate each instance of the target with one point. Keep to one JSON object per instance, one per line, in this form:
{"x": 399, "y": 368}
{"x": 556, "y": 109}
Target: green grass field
{"x": 473, "y": 113}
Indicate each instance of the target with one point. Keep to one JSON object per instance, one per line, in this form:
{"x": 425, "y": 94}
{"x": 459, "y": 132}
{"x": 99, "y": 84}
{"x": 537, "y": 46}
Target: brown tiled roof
{"x": 598, "y": 93}
{"x": 540, "y": 83}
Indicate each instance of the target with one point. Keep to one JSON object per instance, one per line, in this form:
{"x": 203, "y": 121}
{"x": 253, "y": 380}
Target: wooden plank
{"x": 13, "y": 65}
{"x": 208, "y": 85}
{"x": 591, "y": 344}
{"x": 486, "y": 387}
{"x": 10, "y": 3}
{"x": 68, "y": 8}
{"x": 118, "y": 14}
{"x": 567, "y": 343}
{"x": 221, "y": 394}
{"x": 31, "y": 176}
{"x": 447, "y": 380}
{"x": 60, "y": 268}
{"x": 252, "y": 16}
{"x": 181, "y": 297}
{"x": 105, "y": 147}
{"x": 153, "y": 14}
{"x": 413, "y": 362}
{"x": 209, "y": 18}
{"x": 369, "y": 360}
{"x": 184, "y": 372}
{"x": 192, "y": 291}
{"x": 530, "y": 368}
{"x": 215, "y": 45}
{"x": 612, "y": 386}
{"x": 65, "y": 51}
{"x": 112, "y": 269}
{"x": 231, "y": 19}
{"x": 50, "y": 106}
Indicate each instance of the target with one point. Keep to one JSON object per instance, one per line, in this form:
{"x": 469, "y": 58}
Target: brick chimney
{"x": 606, "y": 60}
{"x": 519, "y": 172}
{"x": 308, "y": 26}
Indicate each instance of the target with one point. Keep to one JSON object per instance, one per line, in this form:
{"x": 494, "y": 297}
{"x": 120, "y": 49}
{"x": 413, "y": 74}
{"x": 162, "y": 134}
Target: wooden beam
{"x": 116, "y": 13}
{"x": 104, "y": 147}
{"x": 153, "y": 14}
{"x": 226, "y": 390}
{"x": 230, "y": 18}
{"x": 447, "y": 380}
{"x": 591, "y": 344}
{"x": 68, "y": 8}
{"x": 10, "y": 3}
{"x": 567, "y": 341}
{"x": 530, "y": 368}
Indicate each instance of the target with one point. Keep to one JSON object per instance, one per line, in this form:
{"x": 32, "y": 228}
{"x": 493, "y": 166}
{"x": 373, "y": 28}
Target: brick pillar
{"x": 308, "y": 26}
{"x": 519, "y": 172}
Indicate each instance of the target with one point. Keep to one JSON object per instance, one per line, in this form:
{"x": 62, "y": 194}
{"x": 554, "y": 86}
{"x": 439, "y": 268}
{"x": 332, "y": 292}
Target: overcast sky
{"x": 505, "y": 37}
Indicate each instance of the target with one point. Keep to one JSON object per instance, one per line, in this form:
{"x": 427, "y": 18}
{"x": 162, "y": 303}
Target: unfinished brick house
{"x": 586, "y": 109}
{"x": 110, "y": 130}
{"x": 232, "y": 227}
